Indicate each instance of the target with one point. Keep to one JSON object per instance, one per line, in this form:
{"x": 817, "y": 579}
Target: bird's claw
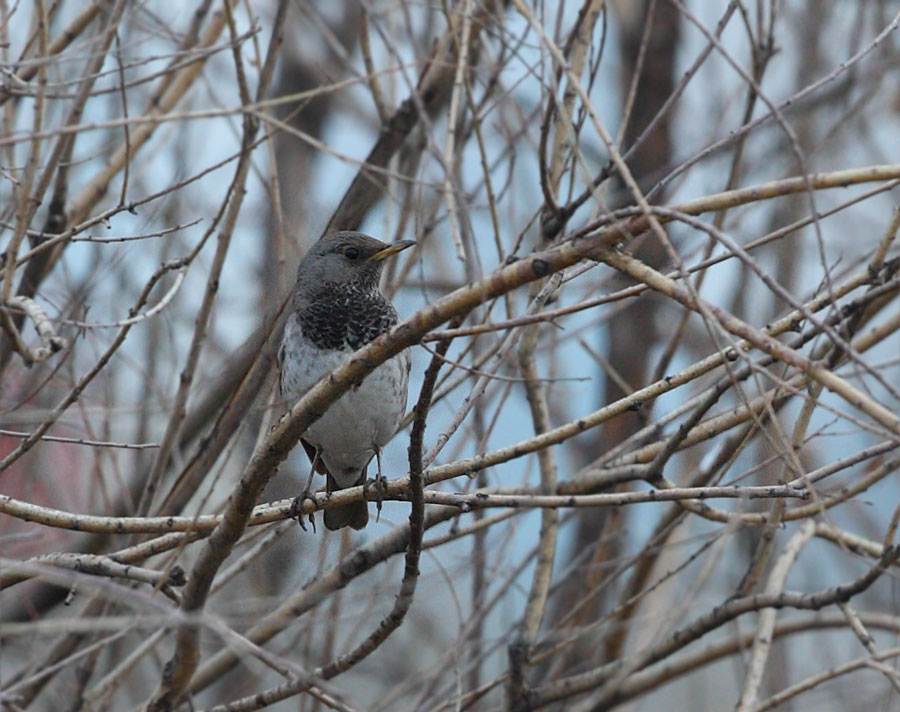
{"x": 296, "y": 511}
{"x": 379, "y": 484}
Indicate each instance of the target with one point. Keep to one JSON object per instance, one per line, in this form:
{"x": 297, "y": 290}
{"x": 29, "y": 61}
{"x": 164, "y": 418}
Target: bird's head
{"x": 346, "y": 257}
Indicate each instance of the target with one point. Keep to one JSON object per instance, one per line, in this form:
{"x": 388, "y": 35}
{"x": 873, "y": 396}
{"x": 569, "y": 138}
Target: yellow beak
{"x": 391, "y": 250}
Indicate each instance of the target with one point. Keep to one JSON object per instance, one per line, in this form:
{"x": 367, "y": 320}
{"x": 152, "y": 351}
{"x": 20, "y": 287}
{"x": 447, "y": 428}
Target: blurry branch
{"x": 890, "y": 235}
{"x": 640, "y": 288}
{"x": 431, "y": 93}
{"x": 830, "y": 353}
{"x": 100, "y": 692}
{"x": 234, "y": 201}
{"x": 46, "y": 240}
{"x": 81, "y": 441}
{"x": 868, "y": 643}
{"x": 636, "y": 589}
{"x": 519, "y": 650}
{"x": 96, "y": 566}
{"x": 763, "y": 50}
{"x": 844, "y": 348}
{"x": 50, "y": 342}
{"x": 654, "y": 678}
{"x": 766, "y": 623}
{"x": 171, "y": 91}
{"x": 750, "y": 80}
{"x": 226, "y": 404}
{"x": 462, "y": 37}
{"x": 606, "y": 677}
{"x": 178, "y": 117}
{"x": 758, "y": 338}
{"x": 796, "y": 513}
{"x": 180, "y": 58}
{"x": 565, "y": 143}
{"x": 793, "y": 101}
{"x": 72, "y": 31}
{"x": 650, "y": 392}
{"x": 76, "y": 210}
{"x": 73, "y": 395}
{"x": 870, "y": 661}
{"x": 335, "y": 578}
{"x": 381, "y": 105}
{"x": 25, "y": 207}
{"x": 180, "y": 668}
{"x": 640, "y": 142}
{"x": 565, "y": 139}
{"x": 152, "y": 311}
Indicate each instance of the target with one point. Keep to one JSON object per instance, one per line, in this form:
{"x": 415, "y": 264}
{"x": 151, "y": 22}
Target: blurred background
{"x": 163, "y": 168}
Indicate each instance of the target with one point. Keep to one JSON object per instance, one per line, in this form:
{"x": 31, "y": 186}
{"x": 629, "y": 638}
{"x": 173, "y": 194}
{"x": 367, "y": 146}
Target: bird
{"x": 336, "y": 308}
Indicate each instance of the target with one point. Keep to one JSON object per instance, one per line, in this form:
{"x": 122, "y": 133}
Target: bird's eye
{"x": 351, "y": 253}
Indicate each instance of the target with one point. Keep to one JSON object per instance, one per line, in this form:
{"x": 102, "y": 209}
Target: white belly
{"x": 362, "y": 420}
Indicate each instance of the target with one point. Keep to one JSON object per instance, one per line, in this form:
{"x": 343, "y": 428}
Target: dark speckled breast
{"x": 346, "y": 317}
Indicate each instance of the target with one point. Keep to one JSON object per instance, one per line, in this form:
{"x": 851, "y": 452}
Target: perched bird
{"x": 338, "y": 307}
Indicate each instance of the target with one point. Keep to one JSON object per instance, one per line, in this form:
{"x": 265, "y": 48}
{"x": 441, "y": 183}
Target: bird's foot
{"x": 379, "y": 484}
{"x": 296, "y": 511}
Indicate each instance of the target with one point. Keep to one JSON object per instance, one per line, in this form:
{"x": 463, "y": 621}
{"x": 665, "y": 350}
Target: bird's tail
{"x": 355, "y": 514}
